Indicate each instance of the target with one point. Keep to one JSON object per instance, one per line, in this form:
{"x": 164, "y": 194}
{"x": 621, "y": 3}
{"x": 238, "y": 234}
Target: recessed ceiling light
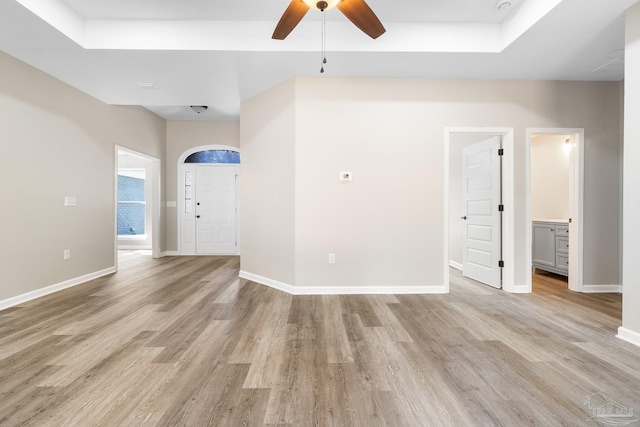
{"x": 146, "y": 85}
{"x": 503, "y": 4}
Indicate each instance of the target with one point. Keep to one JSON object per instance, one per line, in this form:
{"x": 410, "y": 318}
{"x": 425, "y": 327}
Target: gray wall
{"x": 56, "y": 141}
{"x": 387, "y": 227}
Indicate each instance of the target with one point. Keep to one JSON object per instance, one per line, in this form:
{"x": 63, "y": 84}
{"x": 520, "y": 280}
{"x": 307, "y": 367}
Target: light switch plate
{"x": 70, "y": 201}
{"x": 172, "y": 204}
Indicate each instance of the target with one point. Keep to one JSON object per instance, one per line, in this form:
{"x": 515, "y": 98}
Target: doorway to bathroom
{"x": 555, "y": 162}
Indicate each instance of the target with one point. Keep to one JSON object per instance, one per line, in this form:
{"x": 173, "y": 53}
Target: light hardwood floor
{"x": 183, "y": 342}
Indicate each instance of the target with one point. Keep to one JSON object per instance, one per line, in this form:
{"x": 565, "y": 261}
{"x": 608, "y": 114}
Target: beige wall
{"x": 550, "y": 173}
{"x": 387, "y": 226}
{"x": 268, "y": 184}
{"x": 183, "y": 136}
{"x": 631, "y": 233}
{"x": 54, "y": 142}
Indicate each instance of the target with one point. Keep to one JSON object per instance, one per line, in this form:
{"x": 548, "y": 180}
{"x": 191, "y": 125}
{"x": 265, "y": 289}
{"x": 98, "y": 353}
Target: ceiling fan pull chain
{"x": 324, "y": 41}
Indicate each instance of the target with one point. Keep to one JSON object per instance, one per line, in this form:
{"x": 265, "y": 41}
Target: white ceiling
{"x": 169, "y": 54}
{"x": 271, "y": 10}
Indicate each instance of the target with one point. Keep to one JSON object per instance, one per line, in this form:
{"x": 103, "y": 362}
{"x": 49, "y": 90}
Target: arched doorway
{"x": 208, "y": 202}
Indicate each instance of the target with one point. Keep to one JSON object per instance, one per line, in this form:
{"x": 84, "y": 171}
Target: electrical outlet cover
{"x": 346, "y": 176}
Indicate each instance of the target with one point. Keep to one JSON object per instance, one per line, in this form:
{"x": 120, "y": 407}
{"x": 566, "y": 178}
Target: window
{"x": 214, "y": 156}
{"x": 131, "y": 202}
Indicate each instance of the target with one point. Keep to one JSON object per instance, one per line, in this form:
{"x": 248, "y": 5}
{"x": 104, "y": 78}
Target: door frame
{"x": 180, "y": 190}
{"x": 155, "y": 198}
{"x": 576, "y": 202}
{"x": 508, "y": 200}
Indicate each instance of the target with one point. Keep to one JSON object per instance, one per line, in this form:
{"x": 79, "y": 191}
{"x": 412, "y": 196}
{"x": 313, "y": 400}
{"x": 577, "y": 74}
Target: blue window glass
{"x": 214, "y": 156}
{"x": 131, "y": 206}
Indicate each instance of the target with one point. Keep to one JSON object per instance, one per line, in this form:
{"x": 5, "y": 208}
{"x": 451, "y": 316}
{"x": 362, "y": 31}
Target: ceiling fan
{"x": 357, "y": 11}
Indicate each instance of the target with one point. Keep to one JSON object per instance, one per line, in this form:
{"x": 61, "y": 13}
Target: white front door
{"x": 481, "y": 236}
{"x": 215, "y": 209}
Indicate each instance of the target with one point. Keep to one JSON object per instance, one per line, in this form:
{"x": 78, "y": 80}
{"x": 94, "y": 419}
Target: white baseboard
{"x": 519, "y": 289}
{"x": 370, "y": 290}
{"x": 343, "y": 290}
{"x": 175, "y": 253}
{"x": 455, "y": 265}
{"x": 21, "y": 299}
{"x": 284, "y": 287}
{"x": 629, "y": 336}
{"x": 134, "y": 247}
{"x": 599, "y": 289}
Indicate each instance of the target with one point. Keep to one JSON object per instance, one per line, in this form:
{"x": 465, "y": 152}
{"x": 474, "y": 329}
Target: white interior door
{"x": 215, "y": 209}
{"x": 481, "y": 236}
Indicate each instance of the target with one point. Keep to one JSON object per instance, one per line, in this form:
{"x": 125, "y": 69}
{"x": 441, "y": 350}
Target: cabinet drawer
{"x": 562, "y": 244}
{"x": 562, "y": 261}
{"x": 562, "y": 230}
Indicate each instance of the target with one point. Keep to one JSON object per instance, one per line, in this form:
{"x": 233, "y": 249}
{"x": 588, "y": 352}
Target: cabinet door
{"x": 562, "y": 262}
{"x": 562, "y": 230}
{"x": 562, "y": 244}
{"x": 544, "y": 244}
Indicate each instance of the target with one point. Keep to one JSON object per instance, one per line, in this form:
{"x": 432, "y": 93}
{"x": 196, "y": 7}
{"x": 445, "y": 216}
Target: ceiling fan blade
{"x": 359, "y": 12}
{"x": 291, "y": 17}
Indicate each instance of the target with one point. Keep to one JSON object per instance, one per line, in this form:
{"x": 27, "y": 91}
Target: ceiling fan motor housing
{"x": 321, "y": 5}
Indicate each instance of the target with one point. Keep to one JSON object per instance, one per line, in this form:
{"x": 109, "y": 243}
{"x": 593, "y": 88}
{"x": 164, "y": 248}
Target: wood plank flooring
{"x": 183, "y": 342}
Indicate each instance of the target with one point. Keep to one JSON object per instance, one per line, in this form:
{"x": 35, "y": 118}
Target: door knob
{"x": 197, "y": 216}
{"x": 463, "y": 217}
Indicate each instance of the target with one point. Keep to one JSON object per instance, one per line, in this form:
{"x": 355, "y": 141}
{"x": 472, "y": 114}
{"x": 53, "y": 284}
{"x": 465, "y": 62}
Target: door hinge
{"x": 501, "y": 152}
{"x": 501, "y": 264}
{"x": 500, "y": 208}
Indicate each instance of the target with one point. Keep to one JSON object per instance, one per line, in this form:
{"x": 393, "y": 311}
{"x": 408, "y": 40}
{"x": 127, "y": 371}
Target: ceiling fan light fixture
{"x": 199, "y": 108}
{"x": 315, "y": 4}
{"x": 356, "y": 11}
